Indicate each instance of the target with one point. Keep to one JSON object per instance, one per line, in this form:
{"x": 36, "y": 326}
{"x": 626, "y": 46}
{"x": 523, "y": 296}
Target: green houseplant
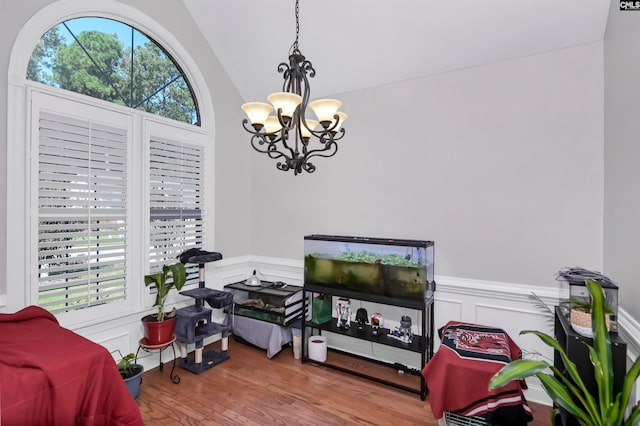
{"x": 131, "y": 373}
{"x": 159, "y": 326}
{"x": 604, "y": 409}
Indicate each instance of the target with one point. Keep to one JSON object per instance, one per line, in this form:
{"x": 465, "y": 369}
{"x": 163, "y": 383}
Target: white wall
{"x": 622, "y": 154}
{"x": 500, "y": 165}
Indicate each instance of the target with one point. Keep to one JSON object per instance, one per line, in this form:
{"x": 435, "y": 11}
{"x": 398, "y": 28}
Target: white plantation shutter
{"x": 82, "y": 212}
{"x": 176, "y": 197}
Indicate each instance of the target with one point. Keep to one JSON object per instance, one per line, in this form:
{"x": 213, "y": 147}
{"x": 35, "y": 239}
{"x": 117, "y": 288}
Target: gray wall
{"x": 231, "y": 175}
{"x": 500, "y": 165}
{"x": 622, "y": 154}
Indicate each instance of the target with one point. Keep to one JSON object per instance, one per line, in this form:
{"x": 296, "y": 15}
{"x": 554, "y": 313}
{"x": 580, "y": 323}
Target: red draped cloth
{"x": 458, "y": 375}
{"x": 51, "y": 376}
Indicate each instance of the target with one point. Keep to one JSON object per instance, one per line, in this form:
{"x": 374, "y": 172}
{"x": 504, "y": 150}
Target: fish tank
{"x": 394, "y": 268}
{"x": 579, "y": 295}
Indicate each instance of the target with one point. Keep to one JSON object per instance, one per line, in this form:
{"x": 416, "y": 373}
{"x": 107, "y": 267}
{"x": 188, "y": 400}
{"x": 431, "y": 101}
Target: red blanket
{"x": 52, "y": 376}
{"x": 458, "y": 375}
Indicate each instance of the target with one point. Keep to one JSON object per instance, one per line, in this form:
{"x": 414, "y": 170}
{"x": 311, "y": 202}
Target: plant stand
{"x": 145, "y": 346}
{"x": 194, "y": 322}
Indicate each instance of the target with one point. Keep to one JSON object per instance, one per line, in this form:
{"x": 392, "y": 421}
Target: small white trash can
{"x": 318, "y": 348}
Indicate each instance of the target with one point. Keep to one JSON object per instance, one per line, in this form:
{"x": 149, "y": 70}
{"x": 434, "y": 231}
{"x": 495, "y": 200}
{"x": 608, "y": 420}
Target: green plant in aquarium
{"x": 607, "y": 408}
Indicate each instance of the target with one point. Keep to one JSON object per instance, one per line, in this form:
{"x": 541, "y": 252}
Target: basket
{"x": 581, "y": 322}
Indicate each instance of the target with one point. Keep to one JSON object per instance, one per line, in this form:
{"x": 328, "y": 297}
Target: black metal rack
{"x": 422, "y": 344}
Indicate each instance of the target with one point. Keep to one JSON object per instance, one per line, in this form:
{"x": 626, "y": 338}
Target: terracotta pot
{"x": 158, "y": 333}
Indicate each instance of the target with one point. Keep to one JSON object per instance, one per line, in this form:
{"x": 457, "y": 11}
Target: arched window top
{"x": 113, "y": 61}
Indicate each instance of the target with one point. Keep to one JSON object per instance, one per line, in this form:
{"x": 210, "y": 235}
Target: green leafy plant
{"x": 604, "y": 409}
{"x": 174, "y": 275}
{"x": 126, "y": 365}
{"x": 584, "y": 305}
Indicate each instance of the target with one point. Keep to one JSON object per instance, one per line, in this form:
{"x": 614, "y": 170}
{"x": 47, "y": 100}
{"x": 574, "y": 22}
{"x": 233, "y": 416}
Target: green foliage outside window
{"x": 136, "y": 73}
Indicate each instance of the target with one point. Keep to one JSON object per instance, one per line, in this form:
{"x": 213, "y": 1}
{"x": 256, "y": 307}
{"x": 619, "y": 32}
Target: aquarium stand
{"x": 421, "y": 343}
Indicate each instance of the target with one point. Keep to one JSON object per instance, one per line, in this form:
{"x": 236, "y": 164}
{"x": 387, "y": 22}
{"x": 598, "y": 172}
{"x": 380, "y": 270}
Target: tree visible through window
{"x": 110, "y": 60}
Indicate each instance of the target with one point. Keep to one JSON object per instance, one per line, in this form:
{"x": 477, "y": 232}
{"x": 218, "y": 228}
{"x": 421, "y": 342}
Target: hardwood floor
{"x": 250, "y": 389}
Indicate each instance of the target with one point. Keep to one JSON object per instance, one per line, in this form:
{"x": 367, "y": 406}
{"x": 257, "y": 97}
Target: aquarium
{"x": 387, "y": 267}
{"x": 580, "y": 298}
{"x": 278, "y": 303}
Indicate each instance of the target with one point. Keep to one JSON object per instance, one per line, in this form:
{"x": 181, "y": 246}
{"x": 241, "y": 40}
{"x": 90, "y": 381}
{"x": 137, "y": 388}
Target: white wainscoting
{"x": 504, "y": 305}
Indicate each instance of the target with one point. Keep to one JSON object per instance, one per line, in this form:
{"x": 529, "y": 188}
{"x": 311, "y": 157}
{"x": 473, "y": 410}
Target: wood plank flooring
{"x": 250, "y": 389}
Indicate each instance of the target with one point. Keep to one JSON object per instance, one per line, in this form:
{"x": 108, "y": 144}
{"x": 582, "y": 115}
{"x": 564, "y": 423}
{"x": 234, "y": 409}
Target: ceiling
{"x": 356, "y": 44}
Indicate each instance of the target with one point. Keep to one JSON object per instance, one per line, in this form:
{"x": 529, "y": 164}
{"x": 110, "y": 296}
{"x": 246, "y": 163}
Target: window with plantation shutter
{"x": 82, "y": 212}
{"x": 176, "y": 200}
{"x": 101, "y": 193}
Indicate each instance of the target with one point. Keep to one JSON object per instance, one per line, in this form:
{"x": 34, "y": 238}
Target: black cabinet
{"x": 575, "y": 348}
{"x": 421, "y": 343}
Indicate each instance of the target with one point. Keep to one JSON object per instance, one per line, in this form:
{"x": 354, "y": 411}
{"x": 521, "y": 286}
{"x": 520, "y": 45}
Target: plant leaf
{"x": 561, "y": 396}
{"x": 627, "y": 387}
{"x": 601, "y": 352}
{"x": 634, "y": 416}
{"x": 518, "y": 369}
{"x": 568, "y": 364}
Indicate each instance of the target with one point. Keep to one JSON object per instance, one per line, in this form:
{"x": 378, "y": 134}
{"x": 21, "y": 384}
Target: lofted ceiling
{"x": 356, "y": 44}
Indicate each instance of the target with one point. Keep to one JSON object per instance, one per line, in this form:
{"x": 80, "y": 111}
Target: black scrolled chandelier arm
{"x": 329, "y": 149}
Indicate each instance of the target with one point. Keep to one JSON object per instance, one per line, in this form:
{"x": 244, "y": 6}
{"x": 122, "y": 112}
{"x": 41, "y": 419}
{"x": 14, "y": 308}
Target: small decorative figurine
{"x": 376, "y": 323}
{"x": 405, "y": 329}
{"x": 361, "y": 318}
{"x": 344, "y": 313}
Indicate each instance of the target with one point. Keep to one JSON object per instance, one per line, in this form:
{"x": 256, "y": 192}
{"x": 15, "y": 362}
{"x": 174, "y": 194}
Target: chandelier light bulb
{"x": 257, "y": 112}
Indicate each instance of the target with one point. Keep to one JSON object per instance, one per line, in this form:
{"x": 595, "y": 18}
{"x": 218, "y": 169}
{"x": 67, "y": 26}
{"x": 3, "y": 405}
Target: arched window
{"x": 111, "y": 190}
{"x": 113, "y": 61}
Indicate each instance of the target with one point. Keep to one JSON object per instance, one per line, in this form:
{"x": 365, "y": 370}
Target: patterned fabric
{"x": 458, "y": 375}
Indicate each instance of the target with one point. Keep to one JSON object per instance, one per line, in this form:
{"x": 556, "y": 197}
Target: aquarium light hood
{"x": 287, "y": 135}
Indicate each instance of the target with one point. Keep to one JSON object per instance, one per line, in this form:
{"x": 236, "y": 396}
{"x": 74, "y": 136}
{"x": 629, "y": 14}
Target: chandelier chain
{"x": 295, "y": 48}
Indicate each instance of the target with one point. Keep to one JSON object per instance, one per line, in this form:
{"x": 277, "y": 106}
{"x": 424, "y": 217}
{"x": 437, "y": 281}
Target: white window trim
{"x": 18, "y": 272}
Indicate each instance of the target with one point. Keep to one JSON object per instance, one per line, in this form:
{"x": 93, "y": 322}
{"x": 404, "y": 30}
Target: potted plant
{"x": 580, "y": 315}
{"x": 570, "y": 393}
{"x": 131, "y": 373}
{"x": 159, "y": 326}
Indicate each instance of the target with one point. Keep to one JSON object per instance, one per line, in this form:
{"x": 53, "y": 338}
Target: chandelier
{"x": 287, "y": 135}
